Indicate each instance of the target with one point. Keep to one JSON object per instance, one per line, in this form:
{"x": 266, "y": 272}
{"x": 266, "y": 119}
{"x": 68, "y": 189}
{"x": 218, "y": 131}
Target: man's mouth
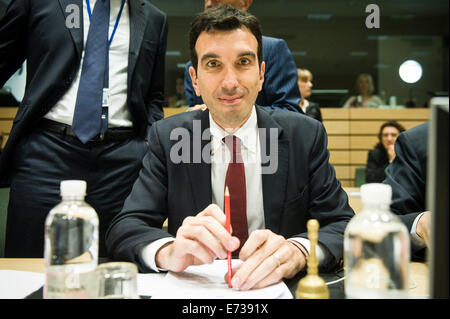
{"x": 230, "y": 100}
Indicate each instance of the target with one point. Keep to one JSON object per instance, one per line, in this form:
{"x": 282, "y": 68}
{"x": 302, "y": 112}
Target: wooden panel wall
{"x": 353, "y": 132}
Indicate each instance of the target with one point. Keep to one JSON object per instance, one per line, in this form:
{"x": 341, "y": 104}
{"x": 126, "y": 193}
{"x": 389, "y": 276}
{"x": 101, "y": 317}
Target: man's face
{"x": 238, "y": 4}
{"x": 228, "y": 76}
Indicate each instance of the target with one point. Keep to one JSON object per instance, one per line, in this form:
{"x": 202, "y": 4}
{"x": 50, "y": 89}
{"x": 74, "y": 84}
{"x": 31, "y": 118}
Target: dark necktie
{"x": 88, "y": 108}
{"x": 235, "y": 180}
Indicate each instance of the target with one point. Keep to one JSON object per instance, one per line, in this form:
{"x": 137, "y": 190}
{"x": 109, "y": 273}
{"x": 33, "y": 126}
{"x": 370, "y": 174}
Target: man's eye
{"x": 244, "y": 61}
{"x": 212, "y": 64}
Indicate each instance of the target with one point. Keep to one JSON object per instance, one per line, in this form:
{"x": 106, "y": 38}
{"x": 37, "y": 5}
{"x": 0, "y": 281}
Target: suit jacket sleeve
{"x": 328, "y": 202}
{"x": 155, "y": 93}
{"x": 144, "y": 211}
{"x": 13, "y": 35}
{"x": 407, "y": 178}
{"x": 280, "y": 89}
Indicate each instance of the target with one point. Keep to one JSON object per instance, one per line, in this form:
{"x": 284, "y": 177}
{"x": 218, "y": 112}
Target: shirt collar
{"x": 247, "y": 133}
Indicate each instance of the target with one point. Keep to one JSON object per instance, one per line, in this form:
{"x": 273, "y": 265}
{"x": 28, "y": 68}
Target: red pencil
{"x": 228, "y": 227}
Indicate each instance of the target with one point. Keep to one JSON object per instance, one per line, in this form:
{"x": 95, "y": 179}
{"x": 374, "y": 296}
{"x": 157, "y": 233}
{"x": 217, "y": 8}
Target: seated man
{"x": 271, "y": 196}
{"x": 407, "y": 175}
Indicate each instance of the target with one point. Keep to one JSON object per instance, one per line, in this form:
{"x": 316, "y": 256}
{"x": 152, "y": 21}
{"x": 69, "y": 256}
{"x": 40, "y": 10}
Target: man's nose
{"x": 230, "y": 80}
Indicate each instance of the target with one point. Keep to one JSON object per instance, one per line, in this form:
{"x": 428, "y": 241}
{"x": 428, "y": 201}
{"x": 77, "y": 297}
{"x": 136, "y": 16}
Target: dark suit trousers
{"x": 42, "y": 160}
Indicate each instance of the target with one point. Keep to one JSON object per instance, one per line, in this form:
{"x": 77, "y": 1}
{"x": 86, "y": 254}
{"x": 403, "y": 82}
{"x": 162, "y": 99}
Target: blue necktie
{"x": 88, "y": 108}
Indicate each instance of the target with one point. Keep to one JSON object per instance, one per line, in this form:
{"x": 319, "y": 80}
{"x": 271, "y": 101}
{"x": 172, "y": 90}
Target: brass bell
{"x": 312, "y": 286}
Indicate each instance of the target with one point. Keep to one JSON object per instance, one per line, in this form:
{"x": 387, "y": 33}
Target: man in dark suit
{"x": 278, "y": 178}
{"x": 280, "y": 89}
{"x": 407, "y": 175}
{"x": 52, "y": 138}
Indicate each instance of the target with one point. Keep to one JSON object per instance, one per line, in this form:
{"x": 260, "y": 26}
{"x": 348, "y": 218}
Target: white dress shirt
{"x": 118, "y": 114}
{"x": 416, "y": 241}
{"x": 220, "y": 157}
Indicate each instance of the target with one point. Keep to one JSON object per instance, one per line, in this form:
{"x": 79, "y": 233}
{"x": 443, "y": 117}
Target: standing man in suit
{"x": 407, "y": 174}
{"x": 280, "y": 89}
{"x": 271, "y": 196}
{"x": 95, "y": 85}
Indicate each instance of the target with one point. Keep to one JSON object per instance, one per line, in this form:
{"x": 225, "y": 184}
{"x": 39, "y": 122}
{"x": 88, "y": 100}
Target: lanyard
{"x": 117, "y": 19}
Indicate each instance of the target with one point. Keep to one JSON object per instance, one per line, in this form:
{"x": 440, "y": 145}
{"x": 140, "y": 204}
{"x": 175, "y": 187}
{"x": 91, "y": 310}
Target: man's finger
{"x": 260, "y": 245}
{"x": 209, "y": 233}
{"x": 229, "y": 242}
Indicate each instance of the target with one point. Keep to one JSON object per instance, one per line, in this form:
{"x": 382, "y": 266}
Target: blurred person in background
{"x": 305, "y": 85}
{"x": 384, "y": 153}
{"x": 179, "y": 99}
{"x": 364, "y": 96}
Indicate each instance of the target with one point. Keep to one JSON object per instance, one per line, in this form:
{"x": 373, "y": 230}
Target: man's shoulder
{"x": 415, "y": 140}
{"x": 272, "y": 41}
{"x": 288, "y": 119}
{"x": 271, "y": 44}
{"x": 417, "y": 131}
{"x": 153, "y": 9}
{"x": 416, "y": 137}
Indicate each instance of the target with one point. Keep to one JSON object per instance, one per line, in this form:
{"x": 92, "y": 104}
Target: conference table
{"x": 419, "y": 276}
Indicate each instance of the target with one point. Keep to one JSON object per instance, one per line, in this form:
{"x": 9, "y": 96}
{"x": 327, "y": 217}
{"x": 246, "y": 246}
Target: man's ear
{"x": 261, "y": 74}
{"x": 193, "y": 75}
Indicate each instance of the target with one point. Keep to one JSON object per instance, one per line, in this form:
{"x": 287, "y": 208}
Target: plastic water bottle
{"x": 376, "y": 249}
{"x": 71, "y": 245}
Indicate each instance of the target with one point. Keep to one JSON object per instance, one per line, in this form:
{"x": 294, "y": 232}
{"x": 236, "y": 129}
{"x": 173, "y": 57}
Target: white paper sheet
{"x": 19, "y": 284}
{"x": 149, "y": 284}
{"x": 207, "y": 282}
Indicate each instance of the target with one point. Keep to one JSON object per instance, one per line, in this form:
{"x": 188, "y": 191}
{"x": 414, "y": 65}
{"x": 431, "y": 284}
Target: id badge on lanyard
{"x": 105, "y": 97}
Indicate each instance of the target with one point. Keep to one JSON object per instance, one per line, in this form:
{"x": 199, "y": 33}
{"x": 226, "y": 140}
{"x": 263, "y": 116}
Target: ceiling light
{"x": 410, "y": 71}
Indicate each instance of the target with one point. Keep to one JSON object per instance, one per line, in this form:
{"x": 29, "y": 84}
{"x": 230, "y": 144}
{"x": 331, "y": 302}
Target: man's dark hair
{"x": 223, "y": 18}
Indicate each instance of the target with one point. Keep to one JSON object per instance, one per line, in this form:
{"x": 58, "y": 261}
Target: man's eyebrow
{"x": 207, "y": 56}
{"x": 247, "y": 53}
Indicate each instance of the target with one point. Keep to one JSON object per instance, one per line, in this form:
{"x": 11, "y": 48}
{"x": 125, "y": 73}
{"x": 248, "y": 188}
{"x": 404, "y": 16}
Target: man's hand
{"x": 267, "y": 259}
{"x": 197, "y": 107}
{"x": 423, "y": 227}
{"x": 199, "y": 240}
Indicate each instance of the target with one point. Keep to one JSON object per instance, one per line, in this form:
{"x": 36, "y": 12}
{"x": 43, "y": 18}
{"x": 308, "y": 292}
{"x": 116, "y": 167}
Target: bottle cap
{"x": 376, "y": 193}
{"x": 73, "y": 188}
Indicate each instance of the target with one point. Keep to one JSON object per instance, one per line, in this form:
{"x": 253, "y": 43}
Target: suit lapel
{"x": 76, "y": 33}
{"x": 199, "y": 170}
{"x": 137, "y": 27}
{"x": 274, "y": 164}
